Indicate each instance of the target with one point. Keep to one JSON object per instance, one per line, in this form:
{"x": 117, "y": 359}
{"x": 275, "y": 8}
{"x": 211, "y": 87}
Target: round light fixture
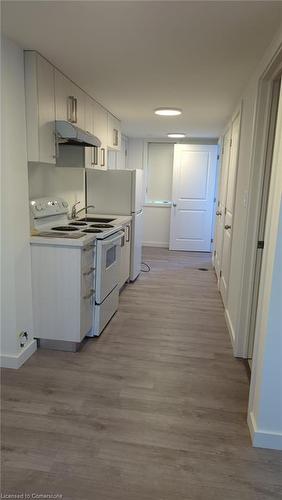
{"x": 176, "y": 135}
{"x": 167, "y": 111}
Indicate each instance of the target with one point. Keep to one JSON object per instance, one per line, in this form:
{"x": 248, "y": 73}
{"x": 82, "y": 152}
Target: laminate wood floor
{"x": 154, "y": 409}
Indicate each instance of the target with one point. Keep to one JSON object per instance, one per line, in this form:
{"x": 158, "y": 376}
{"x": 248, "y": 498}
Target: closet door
{"x": 221, "y": 203}
{"x": 229, "y": 207}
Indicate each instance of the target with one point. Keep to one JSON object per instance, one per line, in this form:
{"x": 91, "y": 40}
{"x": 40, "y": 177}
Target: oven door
{"x": 108, "y": 263}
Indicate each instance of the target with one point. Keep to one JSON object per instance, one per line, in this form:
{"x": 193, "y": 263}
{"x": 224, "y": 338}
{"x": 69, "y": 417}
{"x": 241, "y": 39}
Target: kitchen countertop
{"x": 87, "y": 239}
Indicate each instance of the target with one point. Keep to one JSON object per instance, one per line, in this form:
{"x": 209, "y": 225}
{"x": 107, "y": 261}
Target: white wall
{"x": 240, "y": 264}
{"x": 159, "y": 171}
{"x": 156, "y": 226}
{"x": 16, "y": 294}
{"x": 57, "y": 181}
{"x": 265, "y": 405}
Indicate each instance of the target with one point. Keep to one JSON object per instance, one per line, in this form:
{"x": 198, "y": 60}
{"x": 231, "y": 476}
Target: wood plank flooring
{"x": 154, "y": 409}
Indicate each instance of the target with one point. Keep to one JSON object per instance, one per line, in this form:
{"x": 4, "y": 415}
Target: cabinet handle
{"x": 72, "y": 109}
{"x": 103, "y": 160}
{"x": 69, "y": 108}
{"x": 95, "y": 162}
{"x": 75, "y": 109}
{"x": 115, "y": 139}
{"x": 89, "y": 295}
{"x": 227, "y": 226}
{"x": 218, "y": 212}
{"x": 128, "y": 233}
{"x": 91, "y": 270}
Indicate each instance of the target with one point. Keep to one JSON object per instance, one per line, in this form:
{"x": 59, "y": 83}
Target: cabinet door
{"x": 63, "y": 91}
{"x": 114, "y": 132}
{"x": 101, "y": 131}
{"x": 40, "y": 109}
{"x": 69, "y": 101}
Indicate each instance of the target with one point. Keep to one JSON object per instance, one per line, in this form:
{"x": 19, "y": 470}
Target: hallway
{"x": 154, "y": 409}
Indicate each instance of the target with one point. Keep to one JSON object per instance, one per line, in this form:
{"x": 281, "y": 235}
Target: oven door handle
{"x": 110, "y": 241}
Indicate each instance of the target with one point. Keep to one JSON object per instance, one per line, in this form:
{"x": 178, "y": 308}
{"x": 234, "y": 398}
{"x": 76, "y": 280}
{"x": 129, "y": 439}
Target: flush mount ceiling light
{"x": 167, "y": 111}
{"x": 176, "y": 135}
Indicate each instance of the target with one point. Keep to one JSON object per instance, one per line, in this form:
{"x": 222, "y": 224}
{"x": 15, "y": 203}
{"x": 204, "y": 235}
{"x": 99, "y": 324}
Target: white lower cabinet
{"x": 125, "y": 255}
{"x": 63, "y": 291}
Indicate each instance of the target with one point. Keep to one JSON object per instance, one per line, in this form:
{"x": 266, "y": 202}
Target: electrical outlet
{"x": 23, "y": 338}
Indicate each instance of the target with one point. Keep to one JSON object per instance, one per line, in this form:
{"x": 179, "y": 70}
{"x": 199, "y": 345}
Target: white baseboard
{"x": 230, "y": 328}
{"x": 17, "y": 360}
{"x": 158, "y": 244}
{"x": 263, "y": 439}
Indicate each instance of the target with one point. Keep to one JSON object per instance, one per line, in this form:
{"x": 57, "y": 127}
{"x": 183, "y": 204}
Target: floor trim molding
{"x": 157, "y": 244}
{"x": 263, "y": 439}
{"x": 17, "y": 360}
{"x": 230, "y": 328}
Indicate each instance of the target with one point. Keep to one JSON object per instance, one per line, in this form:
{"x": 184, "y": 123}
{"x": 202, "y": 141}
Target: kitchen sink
{"x": 96, "y": 219}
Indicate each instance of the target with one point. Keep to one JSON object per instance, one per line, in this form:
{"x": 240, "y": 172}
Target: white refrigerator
{"x": 120, "y": 192}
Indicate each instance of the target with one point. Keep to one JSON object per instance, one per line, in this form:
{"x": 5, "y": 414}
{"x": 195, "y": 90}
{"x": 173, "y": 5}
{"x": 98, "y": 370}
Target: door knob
{"x": 218, "y": 212}
{"x": 174, "y": 204}
{"x": 227, "y": 226}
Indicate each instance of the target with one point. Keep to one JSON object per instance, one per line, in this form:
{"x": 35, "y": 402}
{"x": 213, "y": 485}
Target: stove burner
{"x": 77, "y": 223}
{"x": 102, "y": 225}
{"x": 92, "y": 230}
{"x": 65, "y": 228}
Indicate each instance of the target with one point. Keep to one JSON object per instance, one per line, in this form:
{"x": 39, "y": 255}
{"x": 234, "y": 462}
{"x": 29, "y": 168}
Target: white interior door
{"x": 221, "y": 203}
{"x": 194, "y": 173}
{"x": 228, "y": 212}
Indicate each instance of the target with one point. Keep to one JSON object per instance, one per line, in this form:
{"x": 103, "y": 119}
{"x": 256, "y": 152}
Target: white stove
{"x": 100, "y": 237}
{"x": 50, "y": 217}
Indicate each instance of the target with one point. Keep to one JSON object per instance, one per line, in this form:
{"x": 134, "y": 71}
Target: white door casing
{"x": 194, "y": 173}
{"x": 229, "y": 206}
{"x": 221, "y": 203}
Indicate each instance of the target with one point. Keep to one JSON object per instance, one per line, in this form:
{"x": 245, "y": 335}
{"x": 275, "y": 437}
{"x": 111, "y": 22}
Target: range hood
{"x": 68, "y": 133}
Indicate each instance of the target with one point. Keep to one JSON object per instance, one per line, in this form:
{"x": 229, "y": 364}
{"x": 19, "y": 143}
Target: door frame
{"x": 263, "y": 205}
{"x": 258, "y": 157}
{"x": 237, "y": 113}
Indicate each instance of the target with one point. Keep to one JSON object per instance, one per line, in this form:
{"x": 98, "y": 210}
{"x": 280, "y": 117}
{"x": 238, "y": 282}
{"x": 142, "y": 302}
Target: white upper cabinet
{"x": 40, "y": 109}
{"x": 114, "y": 132}
{"x": 101, "y": 131}
{"x": 69, "y": 101}
{"x": 51, "y": 96}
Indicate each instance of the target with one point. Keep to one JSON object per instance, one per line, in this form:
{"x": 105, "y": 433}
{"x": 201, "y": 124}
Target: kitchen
{"x": 152, "y": 352}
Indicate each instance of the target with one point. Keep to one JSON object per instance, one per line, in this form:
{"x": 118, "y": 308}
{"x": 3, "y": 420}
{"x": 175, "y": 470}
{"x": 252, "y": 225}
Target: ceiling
{"x": 135, "y": 56}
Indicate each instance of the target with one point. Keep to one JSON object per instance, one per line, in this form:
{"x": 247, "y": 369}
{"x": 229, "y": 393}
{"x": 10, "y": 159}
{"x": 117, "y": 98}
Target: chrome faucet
{"x": 75, "y": 212}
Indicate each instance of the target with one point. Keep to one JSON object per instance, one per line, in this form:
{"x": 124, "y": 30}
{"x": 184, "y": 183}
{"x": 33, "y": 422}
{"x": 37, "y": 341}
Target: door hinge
{"x": 214, "y": 252}
{"x": 260, "y": 244}
{"x": 230, "y": 142}
{"x": 214, "y": 200}
{"x": 211, "y": 240}
{"x": 218, "y": 157}
{"x": 220, "y": 274}
{"x": 225, "y": 210}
